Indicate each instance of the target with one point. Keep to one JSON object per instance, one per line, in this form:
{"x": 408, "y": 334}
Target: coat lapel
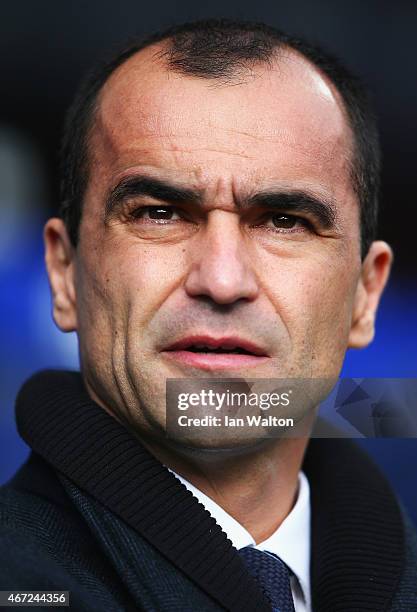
{"x": 61, "y": 423}
{"x": 357, "y": 532}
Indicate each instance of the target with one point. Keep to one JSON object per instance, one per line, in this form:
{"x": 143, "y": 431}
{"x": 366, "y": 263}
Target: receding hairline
{"x": 158, "y": 53}
{"x": 206, "y": 48}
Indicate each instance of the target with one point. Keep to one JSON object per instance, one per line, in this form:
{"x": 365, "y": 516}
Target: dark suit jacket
{"x": 94, "y": 513}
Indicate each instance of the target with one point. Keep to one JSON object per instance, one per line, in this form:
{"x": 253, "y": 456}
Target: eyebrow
{"x": 284, "y": 199}
{"x": 298, "y": 201}
{"x": 132, "y": 187}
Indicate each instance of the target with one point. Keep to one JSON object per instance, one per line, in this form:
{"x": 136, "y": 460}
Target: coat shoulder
{"x": 45, "y": 545}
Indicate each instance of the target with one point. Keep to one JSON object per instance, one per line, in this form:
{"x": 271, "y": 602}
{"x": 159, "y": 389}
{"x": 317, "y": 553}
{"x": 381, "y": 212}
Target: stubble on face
{"x": 140, "y": 287}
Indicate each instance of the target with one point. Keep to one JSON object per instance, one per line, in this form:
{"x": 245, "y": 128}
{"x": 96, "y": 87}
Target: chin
{"x": 216, "y": 449}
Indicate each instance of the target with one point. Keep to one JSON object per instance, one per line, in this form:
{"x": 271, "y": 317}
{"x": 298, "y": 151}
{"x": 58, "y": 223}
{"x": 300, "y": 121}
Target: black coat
{"x": 93, "y": 513}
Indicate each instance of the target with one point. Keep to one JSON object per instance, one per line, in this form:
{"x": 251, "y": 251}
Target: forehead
{"x": 283, "y": 120}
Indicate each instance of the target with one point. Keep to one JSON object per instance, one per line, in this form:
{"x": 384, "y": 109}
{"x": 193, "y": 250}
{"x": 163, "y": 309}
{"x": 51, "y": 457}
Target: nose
{"x": 221, "y": 268}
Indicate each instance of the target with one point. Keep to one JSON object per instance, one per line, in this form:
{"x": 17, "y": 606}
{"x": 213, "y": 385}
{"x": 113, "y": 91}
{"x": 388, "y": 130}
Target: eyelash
{"x": 300, "y": 221}
{"x": 134, "y": 214}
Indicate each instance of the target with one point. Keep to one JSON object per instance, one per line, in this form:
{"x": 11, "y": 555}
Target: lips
{"x": 207, "y": 352}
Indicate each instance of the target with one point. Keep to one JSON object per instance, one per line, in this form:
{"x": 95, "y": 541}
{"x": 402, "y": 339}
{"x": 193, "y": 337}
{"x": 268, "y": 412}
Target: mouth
{"x": 209, "y": 353}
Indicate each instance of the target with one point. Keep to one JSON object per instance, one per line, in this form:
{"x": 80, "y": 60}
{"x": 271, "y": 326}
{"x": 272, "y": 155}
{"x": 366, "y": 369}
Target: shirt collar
{"x": 290, "y": 542}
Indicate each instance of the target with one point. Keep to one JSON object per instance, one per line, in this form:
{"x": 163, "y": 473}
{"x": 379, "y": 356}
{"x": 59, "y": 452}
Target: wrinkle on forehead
{"x": 288, "y": 113}
{"x": 147, "y": 89}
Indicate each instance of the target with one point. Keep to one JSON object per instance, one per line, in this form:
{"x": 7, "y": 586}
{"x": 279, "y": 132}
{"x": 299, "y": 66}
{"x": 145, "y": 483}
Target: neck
{"x": 257, "y": 488}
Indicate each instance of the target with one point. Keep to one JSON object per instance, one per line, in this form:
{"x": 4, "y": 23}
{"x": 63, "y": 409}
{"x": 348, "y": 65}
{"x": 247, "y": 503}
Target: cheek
{"x": 128, "y": 280}
{"x": 94, "y": 302}
{"x": 314, "y": 299}
{"x": 331, "y": 320}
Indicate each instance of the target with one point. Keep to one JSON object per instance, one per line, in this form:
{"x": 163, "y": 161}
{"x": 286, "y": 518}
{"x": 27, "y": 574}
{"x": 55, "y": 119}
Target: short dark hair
{"x": 218, "y": 49}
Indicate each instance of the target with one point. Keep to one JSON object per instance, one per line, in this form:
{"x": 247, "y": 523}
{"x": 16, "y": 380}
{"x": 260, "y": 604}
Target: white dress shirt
{"x": 290, "y": 542}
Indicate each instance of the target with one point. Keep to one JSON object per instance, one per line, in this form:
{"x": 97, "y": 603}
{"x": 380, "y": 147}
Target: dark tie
{"x": 272, "y": 575}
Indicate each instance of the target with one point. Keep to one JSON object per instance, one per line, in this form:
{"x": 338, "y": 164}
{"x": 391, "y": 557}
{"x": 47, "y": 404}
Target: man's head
{"x": 218, "y": 50}
{"x": 224, "y": 195}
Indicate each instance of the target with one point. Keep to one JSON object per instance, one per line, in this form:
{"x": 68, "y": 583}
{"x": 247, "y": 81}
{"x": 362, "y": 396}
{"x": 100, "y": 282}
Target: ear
{"x": 59, "y": 258}
{"x": 374, "y": 275}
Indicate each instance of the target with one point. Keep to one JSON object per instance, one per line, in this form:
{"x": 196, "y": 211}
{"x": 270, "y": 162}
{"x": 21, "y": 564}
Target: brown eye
{"x": 155, "y": 213}
{"x": 160, "y": 213}
{"x": 284, "y": 221}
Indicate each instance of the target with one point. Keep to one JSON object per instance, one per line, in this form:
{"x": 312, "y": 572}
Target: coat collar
{"x": 357, "y": 532}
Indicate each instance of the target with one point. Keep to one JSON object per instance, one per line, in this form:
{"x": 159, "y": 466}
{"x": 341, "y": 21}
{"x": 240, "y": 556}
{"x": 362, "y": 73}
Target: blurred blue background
{"x": 44, "y": 51}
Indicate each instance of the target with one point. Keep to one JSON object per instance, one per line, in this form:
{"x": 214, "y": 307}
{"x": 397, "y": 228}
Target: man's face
{"x": 215, "y": 216}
